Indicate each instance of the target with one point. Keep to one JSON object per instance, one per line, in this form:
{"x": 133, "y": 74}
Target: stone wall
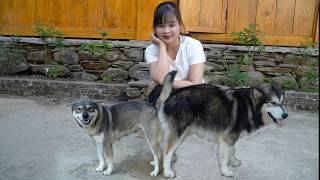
{"x": 126, "y": 69}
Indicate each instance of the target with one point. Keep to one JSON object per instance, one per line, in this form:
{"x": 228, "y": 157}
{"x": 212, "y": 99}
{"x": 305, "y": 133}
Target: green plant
{"x": 106, "y": 77}
{"x": 305, "y": 49}
{"x": 309, "y": 77}
{"x": 8, "y": 59}
{"x": 15, "y": 40}
{"x": 97, "y": 49}
{"x": 289, "y": 85}
{"x": 249, "y": 37}
{"x": 46, "y": 33}
{"x": 236, "y": 77}
{"x": 267, "y": 79}
{"x": 58, "y": 41}
{"x": 55, "y": 71}
{"x": 304, "y": 80}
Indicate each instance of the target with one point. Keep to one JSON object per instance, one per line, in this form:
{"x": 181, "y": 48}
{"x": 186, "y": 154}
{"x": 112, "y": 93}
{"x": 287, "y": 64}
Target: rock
{"x": 122, "y": 64}
{"x": 44, "y": 69}
{"x": 213, "y": 66}
{"x": 274, "y": 69}
{"x": 281, "y": 79}
{"x": 256, "y": 77}
{"x": 141, "y": 83}
{"x": 139, "y": 71}
{"x": 39, "y": 57}
{"x": 11, "y": 63}
{"x": 75, "y": 68}
{"x": 95, "y": 66}
{"x": 133, "y": 92}
{"x": 66, "y": 56}
{"x": 116, "y": 74}
{"x": 84, "y": 55}
{"x": 84, "y": 76}
{"x": 264, "y": 63}
{"x": 215, "y": 79}
{"x": 134, "y": 54}
{"x": 112, "y": 56}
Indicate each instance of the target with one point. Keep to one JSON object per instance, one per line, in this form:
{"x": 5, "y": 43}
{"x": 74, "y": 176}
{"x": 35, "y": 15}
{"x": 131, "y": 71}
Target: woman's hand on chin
{"x": 157, "y": 41}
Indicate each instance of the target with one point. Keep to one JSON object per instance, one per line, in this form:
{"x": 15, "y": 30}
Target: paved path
{"x": 40, "y": 141}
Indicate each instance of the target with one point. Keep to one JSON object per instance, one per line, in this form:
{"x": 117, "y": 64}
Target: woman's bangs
{"x": 168, "y": 17}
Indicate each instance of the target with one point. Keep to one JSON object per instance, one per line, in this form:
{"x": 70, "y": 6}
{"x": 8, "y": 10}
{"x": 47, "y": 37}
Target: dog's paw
{"x": 169, "y": 173}
{"x": 152, "y": 163}
{"x": 107, "y": 172}
{"x": 154, "y": 172}
{"x": 227, "y": 172}
{"x": 174, "y": 158}
{"x": 100, "y": 168}
{"x": 235, "y": 162}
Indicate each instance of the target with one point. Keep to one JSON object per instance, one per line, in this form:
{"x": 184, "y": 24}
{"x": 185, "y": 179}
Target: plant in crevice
{"x": 236, "y": 78}
{"x": 15, "y": 41}
{"x": 8, "y": 59}
{"x": 59, "y": 41}
{"x": 106, "y": 77}
{"x": 305, "y": 78}
{"x": 249, "y": 37}
{"x": 55, "y": 71}
{"x": 47, "y": 33}
{"x": 98, "y": 49}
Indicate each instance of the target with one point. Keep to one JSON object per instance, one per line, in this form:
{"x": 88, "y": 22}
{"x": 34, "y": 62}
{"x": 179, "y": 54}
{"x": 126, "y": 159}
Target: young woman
{"x": 172, "y": 51}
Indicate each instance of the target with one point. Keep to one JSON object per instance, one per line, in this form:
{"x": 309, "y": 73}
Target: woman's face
{"x": 169, "y": 32}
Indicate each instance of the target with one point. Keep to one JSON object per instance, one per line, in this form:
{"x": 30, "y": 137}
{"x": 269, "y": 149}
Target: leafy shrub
{"x": 106, "y": 77}
{"x": 46, "y": 33}
{"x": 55, "y": 71}
{"x": 98, "y": 49}
{"x": 236, "y": 77}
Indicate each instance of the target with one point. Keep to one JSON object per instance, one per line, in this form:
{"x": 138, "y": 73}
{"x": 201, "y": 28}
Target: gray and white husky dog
{"x": 105, "y": 125}
{"x": 215, "y": 111}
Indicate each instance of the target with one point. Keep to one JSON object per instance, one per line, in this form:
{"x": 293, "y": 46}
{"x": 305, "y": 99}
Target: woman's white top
{"x": 190, "y": 52}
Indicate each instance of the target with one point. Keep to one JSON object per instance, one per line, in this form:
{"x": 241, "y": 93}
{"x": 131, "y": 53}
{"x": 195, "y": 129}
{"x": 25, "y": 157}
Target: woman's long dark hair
{"x": 164, "y": 12}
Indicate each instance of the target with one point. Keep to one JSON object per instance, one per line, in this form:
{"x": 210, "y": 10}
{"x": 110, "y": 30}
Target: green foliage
{"x": 97, "y": 49}
{"x": 8, "y": 60}
{"x": 15, "y": 40}
{"x": 46, "y": 33}
{"x": 289, "y": 85}
{"x": 305, "y": 49}
{"x": 103, "y": 33}
{"x": 55, "y": 71}
{"x": 58, "y": 40}
{"x": 249, "y": 37}
{"x": 267, "y": 79}
{"x": 106, "y": 77}
{"x": 236, "y": 77}
{"x": 304, "y": 81}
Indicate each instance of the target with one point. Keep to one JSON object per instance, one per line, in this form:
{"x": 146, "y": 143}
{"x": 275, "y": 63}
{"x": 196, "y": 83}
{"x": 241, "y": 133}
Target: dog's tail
{"x": 166, "y": 89}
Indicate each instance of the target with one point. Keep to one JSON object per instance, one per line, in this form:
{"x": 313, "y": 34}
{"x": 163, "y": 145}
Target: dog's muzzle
{"x": 280, "y": 120}
{"x": 85, "y": 118}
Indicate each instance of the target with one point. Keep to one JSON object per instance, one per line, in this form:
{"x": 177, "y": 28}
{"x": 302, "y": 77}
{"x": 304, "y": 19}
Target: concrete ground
{"x": 41, "y": 141}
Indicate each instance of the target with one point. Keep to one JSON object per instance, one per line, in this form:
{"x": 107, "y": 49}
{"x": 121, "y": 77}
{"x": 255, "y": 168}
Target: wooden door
{"x": 204, "y": 15}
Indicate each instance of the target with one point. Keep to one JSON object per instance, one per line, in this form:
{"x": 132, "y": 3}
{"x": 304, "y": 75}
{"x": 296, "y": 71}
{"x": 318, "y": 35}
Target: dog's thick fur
{"x": 222, "y": 113}
{"x": 104, "y": 125}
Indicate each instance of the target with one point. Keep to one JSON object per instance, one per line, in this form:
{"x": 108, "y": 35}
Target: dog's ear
{"x": 257, "y": 93}
{"x": 73, "y": 105}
